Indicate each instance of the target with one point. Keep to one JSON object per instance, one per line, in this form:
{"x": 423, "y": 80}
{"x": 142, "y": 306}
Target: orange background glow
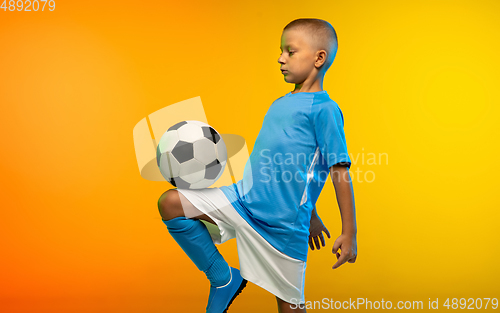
{"x": 417, "y": 81}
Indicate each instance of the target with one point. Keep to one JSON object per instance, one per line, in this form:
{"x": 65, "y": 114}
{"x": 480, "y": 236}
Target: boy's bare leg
{"x": 286, "y": 307}
{"x": 183, "y": 221}
{"x": 173, "y": 204}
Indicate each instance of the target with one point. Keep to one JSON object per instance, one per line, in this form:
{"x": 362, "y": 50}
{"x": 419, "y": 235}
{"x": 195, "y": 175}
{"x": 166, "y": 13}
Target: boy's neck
{"x": 316, "y": 85}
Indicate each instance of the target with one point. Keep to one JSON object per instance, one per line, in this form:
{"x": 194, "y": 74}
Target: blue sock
{"x": 193, "y": 237}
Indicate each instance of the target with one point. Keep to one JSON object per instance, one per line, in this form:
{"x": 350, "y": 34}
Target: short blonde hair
{"x": 322, "y": 33}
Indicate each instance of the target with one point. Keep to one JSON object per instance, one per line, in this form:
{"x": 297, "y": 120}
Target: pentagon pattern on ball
{"x": 210, "y": 133}
{"x": 183, "y": 151}
{"x": 213, "y": 169}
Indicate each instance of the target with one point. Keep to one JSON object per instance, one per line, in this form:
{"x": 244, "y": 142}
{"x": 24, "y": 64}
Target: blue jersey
{"x": 301, "y": 137}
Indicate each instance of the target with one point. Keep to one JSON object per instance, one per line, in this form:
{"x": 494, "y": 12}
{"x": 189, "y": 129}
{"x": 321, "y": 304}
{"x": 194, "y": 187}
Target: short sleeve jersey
{"x": 302, "y": 136}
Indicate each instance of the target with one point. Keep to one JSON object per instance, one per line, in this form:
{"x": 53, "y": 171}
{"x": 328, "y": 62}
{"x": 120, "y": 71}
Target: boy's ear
{"x": 320, "y": 58}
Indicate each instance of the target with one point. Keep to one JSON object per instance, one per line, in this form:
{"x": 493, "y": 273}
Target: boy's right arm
{"x": 316, "y": 230}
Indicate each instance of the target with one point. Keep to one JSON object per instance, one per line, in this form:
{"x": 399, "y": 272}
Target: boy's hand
{"x": 348, "y": 246}
{"x": 316, "y": 230}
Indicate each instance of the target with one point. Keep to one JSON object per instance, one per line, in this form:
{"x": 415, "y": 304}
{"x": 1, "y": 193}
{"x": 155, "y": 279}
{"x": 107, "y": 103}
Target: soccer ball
{"x": 191, "y": 155}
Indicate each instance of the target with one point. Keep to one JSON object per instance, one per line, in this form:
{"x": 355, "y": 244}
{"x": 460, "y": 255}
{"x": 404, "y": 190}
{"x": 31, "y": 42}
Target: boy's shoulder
{"x": 312, "y": 103}
{"x": 321, "y": 102}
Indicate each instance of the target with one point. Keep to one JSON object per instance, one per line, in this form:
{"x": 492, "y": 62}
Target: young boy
{"x": 271, "y": 211}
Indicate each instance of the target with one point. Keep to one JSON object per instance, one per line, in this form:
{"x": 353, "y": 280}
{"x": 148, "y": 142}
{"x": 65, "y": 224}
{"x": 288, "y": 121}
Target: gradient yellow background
{"x": 80, "y": 230}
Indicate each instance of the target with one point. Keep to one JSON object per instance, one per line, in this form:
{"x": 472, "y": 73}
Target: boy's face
{"x": 297, "y": 56}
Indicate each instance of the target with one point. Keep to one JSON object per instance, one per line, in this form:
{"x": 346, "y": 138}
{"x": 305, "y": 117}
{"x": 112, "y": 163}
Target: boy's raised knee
{"x": 169, "y": 205}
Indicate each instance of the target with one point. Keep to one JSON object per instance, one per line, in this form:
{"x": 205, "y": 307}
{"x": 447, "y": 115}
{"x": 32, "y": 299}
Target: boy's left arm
{"x": 345, "y": 198}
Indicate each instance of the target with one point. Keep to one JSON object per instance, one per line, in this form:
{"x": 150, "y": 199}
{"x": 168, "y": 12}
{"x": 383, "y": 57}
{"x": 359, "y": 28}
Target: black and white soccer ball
{"x": 191, "y": 155}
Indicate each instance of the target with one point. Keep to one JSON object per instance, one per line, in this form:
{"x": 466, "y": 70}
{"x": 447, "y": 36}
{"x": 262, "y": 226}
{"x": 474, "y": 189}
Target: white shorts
{"x": 260, "y": 262}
